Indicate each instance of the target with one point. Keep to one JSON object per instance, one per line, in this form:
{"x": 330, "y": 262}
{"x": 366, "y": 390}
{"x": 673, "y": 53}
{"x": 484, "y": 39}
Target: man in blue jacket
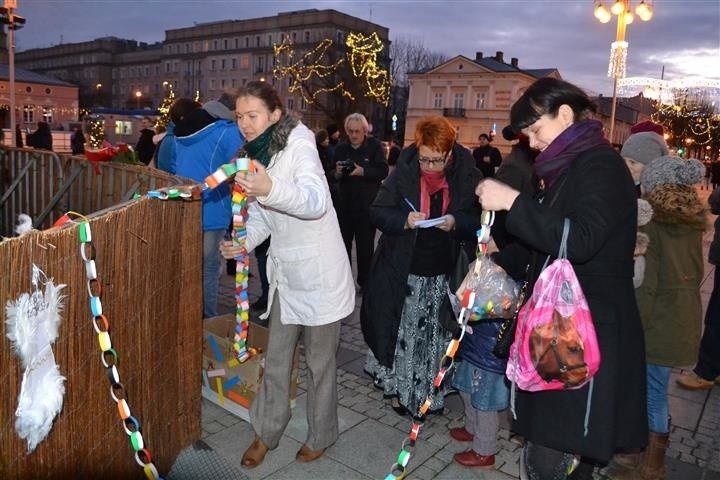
{"x": 204, "y": 140}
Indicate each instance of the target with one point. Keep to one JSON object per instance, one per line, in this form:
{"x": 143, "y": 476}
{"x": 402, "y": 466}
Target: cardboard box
{"x": 231, "y": 384}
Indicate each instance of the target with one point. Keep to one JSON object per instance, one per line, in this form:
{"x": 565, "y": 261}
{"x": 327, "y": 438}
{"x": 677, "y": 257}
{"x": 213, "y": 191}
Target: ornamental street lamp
{"x": 618, "y": 49}
{"x": 14, "y": 22}
{"x": 138, "y": 95}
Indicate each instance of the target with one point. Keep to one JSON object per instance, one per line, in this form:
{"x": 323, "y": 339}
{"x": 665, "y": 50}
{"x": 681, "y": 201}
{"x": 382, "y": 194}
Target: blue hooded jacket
{"x": 166, "y": 150}
{"x": 199, "y": 155}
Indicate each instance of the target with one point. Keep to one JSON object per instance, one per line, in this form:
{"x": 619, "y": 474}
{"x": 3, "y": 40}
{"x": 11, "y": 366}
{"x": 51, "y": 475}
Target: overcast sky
{"x": 683, "y": 35}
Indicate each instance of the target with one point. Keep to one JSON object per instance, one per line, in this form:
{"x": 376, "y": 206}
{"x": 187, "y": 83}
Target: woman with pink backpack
{"x": 587, "y": 193}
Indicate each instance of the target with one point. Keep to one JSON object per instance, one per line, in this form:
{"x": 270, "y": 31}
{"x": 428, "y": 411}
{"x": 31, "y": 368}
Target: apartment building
{"x": 200, "y": 60}
{"x": 476, "y": 95}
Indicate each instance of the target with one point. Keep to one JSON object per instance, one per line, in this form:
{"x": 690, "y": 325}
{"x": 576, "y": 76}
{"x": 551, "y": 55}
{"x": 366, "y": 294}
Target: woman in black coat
{"x": 587, "y": 182}
{"x": 404, "y": 299}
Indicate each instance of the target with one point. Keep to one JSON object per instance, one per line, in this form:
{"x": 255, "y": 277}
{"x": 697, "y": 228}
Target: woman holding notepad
{"x": 424, "y": 209}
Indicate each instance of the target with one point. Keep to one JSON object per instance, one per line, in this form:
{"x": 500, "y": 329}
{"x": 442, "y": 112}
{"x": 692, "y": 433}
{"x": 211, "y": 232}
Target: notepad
{"x": 431, "y": 222}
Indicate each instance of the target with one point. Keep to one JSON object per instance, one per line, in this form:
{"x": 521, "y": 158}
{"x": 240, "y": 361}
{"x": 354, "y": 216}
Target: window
{"x": 438, "y": 103}
{"x": 245, "y": 62}
{"x": 212, "y": 84}
{"x": 47, "y": 114}
{"x": 233, "y": 83}
{"x": 480, "y": 101}
{"x": 147, "y": 71}
{"x": 157, "y": 88}
{"x": 247, "y": 42}
{"x": 303, "y": 104}
{"x": 212, "y": 65}
{"x": 215, "y": 45}
{"x": 222, "y": 64}
{"x": 222, "y": 83}
{"x": 307, "y": 37}
{"x": 187, "y": 48}
{"x": 290, "y": 103}
{"x": 167, "y": 69}
{"x": 234, "y": 63}
{"x": 123, "y": 127}
{"x": 225, "y": 44}
{"x": 459, "y": 101}
{"x": 270, "y": 40}
{"x": 176, "y": 67}
{"x": 29, "y": 113}
{"x": 257, "y": 40}
{"x": 237, "y": 43}
{"x": 157, "y": 70}
{"x": 294, "y": 37}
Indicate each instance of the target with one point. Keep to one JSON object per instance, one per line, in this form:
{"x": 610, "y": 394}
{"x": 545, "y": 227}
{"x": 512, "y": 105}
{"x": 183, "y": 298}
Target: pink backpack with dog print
{"x": 555, "y": 343}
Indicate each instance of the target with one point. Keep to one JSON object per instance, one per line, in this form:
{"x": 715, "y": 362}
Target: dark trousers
{"x": 362, "y": 230}
{"x": 261, "y": 256}
{"x": 708, "y": 364}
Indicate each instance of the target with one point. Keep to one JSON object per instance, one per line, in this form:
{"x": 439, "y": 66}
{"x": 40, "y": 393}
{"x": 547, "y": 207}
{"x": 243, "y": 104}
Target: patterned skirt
{"x": 420, "y": 344}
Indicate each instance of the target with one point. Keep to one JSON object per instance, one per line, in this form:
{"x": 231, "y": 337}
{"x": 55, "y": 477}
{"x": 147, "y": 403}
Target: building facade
{"x": 38, "y": 98}
{"x": 475, "y": 95}
{"x": 201, "y": 61}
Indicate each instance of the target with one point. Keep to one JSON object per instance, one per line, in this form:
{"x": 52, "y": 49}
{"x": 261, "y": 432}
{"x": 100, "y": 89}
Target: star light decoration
{"x": 361, "y": 55}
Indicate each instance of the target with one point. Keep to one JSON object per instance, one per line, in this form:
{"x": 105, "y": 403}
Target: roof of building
{"x": 497, "y": 65}
{"x": 27, "y": 76}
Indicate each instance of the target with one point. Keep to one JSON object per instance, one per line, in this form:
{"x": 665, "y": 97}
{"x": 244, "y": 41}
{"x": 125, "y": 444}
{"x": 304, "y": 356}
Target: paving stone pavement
{"x": 371, "y": 433}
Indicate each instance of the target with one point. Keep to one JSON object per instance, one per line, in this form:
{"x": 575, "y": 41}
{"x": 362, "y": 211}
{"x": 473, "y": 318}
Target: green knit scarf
{"x": 258, "y": 149}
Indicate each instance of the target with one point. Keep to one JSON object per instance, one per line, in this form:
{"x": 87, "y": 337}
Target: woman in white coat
{"x": 311, "y": 286}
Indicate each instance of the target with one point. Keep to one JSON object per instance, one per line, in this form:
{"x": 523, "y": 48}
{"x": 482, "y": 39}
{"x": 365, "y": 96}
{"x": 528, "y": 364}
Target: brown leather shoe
{"x": 693, "y": 382}
{"x": 474, "y": 459}
{"x": 255, "y": 454}
{"x": 461, "y": 435}
{"x": 307, "y": 455}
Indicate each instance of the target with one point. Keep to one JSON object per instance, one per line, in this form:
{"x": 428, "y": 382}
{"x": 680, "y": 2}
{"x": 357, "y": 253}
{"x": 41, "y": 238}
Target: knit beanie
{"x": 647, "y": 126}
{"x": 671, "y": 170}
{"x": 644, "y": 147}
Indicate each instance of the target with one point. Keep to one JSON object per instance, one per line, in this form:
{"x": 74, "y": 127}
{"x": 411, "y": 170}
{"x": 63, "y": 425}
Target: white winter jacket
{"x": 307, "y": 261}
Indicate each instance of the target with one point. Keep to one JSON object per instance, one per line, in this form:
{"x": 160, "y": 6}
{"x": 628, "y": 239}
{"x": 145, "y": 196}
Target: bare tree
{"x": 410, "y": 54}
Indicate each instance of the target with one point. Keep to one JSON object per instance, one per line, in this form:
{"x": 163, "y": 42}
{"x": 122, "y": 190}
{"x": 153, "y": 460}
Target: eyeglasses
{"x": 432, "y": 161}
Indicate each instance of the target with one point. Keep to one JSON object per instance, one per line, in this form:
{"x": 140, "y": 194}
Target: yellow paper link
{"x": 218, "y": 383}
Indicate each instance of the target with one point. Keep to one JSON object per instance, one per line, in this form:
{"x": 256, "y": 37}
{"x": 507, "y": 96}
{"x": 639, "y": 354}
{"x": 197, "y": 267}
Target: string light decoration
{"x": 164, "y": 108}
{"x": 618, "y": 60}
{"x": 302, "y": 70}
{"x": 689, "y": 121}
{"x": 361, "y": 56}
{"x": 197, "y": 96}
{"x": 96, "y": 128}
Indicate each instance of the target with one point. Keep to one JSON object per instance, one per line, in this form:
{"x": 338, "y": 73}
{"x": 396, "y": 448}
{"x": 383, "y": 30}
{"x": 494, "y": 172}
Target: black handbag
{"x": 455, "y": 278}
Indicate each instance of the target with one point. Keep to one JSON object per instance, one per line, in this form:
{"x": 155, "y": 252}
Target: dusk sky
{"x": 683, "y": 35}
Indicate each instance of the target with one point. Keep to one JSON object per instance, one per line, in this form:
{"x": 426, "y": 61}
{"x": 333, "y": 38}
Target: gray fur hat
{"x": 644, "y": 147}
{"x": 673, "y": 170}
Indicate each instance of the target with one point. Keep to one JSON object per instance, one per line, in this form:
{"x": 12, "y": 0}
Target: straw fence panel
{"x": 149, "y": 256}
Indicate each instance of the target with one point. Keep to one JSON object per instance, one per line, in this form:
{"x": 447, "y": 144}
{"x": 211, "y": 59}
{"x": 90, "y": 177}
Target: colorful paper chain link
{"x": 399, "y": 468}
{"x": 239, "y": 234}
{"x": 108, "y": 355}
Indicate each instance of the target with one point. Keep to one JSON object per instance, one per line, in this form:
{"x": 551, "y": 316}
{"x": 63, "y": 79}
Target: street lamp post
{"x": 618, "y": 49}
{"x": 14, "y": 22}
{"x": 138, "y": 95}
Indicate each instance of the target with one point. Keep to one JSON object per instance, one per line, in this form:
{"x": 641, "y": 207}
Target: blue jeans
{"x": 658, "y": 378}
{"x": 211, "y": 271}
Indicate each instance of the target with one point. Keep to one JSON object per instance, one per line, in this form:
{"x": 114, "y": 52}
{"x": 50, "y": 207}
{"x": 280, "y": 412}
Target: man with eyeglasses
{"x": 360, "y": 166}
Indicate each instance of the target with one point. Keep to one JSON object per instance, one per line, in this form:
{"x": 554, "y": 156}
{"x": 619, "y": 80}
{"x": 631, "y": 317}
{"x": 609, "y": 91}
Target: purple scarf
{"x": 574, "y": 140}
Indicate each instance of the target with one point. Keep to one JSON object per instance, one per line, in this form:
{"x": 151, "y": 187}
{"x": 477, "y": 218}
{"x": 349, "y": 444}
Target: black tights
{"x": 543, "y": 463}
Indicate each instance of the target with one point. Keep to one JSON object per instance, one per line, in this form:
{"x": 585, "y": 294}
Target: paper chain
{"x": 399, "y": 468}
{"x": 239, "y": 234}
{"x": 108, "y": 355}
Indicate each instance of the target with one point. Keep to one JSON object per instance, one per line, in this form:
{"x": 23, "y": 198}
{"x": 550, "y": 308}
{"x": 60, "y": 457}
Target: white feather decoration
{"x": 33, "y": 322}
